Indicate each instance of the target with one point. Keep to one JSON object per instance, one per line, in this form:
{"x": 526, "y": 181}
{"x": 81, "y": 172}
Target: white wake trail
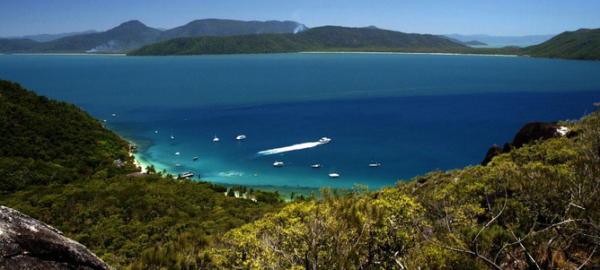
{"x": 294, "y": 147}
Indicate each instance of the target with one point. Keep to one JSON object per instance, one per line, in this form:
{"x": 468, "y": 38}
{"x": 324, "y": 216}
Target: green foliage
{"x": 535, "y": 207}
{"x": 583, "y": 44}
{"x": 44, "y": 141}
{"x": 327, "y": 38}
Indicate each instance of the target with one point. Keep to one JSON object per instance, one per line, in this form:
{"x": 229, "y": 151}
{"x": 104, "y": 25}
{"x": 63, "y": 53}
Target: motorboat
{"x": 215, "y": 139}
{"x": 374, "y": 164}
{"x": 316, "y": 166}
{"x": 324, "y": 140}
{"x": 177, "y": 153}
{"x": 177, "y": 165}
{"x": 195, "y": 158}
{"x": 333, "y": 174}
{"x": 172, "y": 138}
{"x": 240, "y": 137}
{"x": 278, "y": 164}
{"x": 187, "y": 174}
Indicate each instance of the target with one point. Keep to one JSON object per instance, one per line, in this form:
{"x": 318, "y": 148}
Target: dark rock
{"x": 535, "y": 131}
{"x": 494, "y": 151}
{"x": 507, "y": 147}
{"x": 26, "y": 243}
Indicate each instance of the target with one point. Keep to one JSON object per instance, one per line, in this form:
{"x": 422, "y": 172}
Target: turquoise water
{"x": 411, "y": 113}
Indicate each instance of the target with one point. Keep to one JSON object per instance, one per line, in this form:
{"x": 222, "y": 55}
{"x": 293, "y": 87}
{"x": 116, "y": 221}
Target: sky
{"x": 493, "y": 17}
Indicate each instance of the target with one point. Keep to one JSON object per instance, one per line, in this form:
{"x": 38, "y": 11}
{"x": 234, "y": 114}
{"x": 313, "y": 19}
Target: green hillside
{"x": 59, "y": 165}
{"x": 327, "y": 38}
{"x": 583, "y": 44}
{"x": 536, "y": 207}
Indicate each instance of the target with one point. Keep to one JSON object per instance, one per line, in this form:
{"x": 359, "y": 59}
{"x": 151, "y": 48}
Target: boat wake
{"x": 294, "y": 147}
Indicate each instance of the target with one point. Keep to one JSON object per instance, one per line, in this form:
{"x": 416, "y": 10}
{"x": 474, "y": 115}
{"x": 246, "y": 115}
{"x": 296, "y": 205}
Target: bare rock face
{"x": 531, "y": 132}
{"x": 536, "y": 131}
{"x": 26, "y": 243}
{"x": 495, "y": 150}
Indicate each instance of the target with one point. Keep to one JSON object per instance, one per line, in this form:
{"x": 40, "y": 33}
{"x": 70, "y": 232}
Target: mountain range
{"x": 134, "y": 34}
{"x": 531, "y": 39}
{"x": 51, "y": 37}
{"x": 326, "y": 38}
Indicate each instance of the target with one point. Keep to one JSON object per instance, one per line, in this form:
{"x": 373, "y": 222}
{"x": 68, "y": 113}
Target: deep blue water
{"x": 410, "y": 113}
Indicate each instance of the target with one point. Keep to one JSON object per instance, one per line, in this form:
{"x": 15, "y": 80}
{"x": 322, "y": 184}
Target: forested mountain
{"x": 217, "y": 27}
{"x": 327, "y": 38}
{"x": 537, "y": 206}
{"x": 583, "y": 44}
{"x": 134, "y": 34}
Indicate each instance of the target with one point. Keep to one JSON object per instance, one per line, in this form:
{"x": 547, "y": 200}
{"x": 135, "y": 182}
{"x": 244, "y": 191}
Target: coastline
{"x": 364, "y": 52}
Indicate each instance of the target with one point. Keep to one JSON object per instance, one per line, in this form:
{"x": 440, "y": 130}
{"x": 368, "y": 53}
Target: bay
{"x": 411, "y": 113}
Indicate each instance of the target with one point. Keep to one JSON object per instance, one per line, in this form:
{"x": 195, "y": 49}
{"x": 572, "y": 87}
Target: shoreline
{"x": 365, "y": 52}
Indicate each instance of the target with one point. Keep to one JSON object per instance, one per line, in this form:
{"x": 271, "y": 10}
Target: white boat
{"x": 195, "y": 158}
{"x": 216, "y": 139}
{"x": 177, "y": 165}
{"x": 240, "y": 137}
{"x": 113, "y": 115}
{"x": 316, "y": 166}
{"x": 187, "y": 174}
{"x": 177, "y": 153}
{"x": 374, "y": 164}
{"x": 156, "y": 131}
{"x": 333, "y": 174}
{"x": 172, "y": 138}
{"x": 278, "y": 164}
{"x": 324, "y": 140}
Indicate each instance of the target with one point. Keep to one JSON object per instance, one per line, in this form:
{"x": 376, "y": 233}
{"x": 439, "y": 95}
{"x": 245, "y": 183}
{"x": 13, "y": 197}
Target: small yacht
{"x": 215, "y": 139}
{"x": 374, "y": 164}
{"x": 187, "y": 174}
{"x": 316, "y": 166}
{"x": 172, "y": 138}
{"x": 240, "y": 137}
{"x": 177, "y": 153}
{"x": 324, "y": 140}
{"x": 177, "y": 165}
{"x": 278, "y": 164}
{"x": 195, "y": 158}
{"x": 156, "y": 132}
{"x": 113, "y": 115}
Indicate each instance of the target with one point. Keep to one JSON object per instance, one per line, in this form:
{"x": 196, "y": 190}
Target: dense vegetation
{"x": 583, "y": 44}
{"x": 59, "y": 165}
{"x": 537, "y": 207}
{"x": 48, "y": 142}
{"x": 327, "y": 38}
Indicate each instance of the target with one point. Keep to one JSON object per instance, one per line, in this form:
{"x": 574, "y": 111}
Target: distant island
{"x": 217, "y": 36}
{"x": 326, "y": 38}
{"x": 583, "y": 44}
{"x": 134, "y": 34}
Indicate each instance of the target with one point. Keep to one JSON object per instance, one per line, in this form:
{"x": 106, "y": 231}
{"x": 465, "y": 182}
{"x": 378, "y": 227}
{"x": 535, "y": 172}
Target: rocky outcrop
{"x": 529, "y": 133}
{"x": 26, "y": 243}
{"x": 494, "y": 151}
{"x": 536, "y": 131}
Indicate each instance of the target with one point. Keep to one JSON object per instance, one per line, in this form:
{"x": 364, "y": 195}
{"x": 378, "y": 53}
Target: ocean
{"x": 410, "y": 113}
